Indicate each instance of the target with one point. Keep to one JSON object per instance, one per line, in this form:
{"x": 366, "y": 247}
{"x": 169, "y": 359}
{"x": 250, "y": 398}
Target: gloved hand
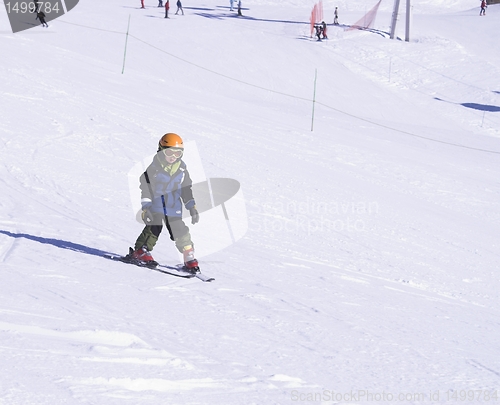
{"x": 195, "y": 217}
{"x": 147, "y": 216}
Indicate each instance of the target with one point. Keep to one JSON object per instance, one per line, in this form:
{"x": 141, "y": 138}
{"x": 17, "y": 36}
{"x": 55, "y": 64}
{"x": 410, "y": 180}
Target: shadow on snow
{"x": 474, "y": 106}
{"x": 59, "y": 243}
{"x": 482, "y": 107}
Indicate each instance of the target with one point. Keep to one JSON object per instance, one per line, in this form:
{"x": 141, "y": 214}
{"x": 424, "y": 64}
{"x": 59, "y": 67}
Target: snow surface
{"x": 370, "y": 263}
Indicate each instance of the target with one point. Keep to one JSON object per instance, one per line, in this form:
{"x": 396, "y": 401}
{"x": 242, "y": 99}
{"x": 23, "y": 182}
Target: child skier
{"x": 165, "y": 186}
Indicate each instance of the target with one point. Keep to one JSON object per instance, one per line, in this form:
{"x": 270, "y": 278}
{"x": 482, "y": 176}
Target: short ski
{"x": 178, "y": 271}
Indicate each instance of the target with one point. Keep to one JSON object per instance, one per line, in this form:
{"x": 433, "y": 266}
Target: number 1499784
{"x": 32, "y": 7}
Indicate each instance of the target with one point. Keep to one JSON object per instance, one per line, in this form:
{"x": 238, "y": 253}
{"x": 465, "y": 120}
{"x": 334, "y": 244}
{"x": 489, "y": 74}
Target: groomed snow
{"x": 369, "y": 269}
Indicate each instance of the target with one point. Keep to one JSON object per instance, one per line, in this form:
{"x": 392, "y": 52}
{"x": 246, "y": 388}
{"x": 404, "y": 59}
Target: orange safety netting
{"x": 367, "y": 20}
{"x": 316, "y": 15}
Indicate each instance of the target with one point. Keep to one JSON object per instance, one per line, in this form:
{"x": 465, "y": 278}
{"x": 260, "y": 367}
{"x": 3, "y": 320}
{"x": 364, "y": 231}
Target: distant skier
{"x": 142, "y": 4}
{"x": 239, "y": 8}
{"x": 37, "y": 4}
{"x": 231, "y": 5}
{"x": 319, "y": 30}
{"x": 484, "y": 6}
{"x": 160, "y": 3}
{"x": 336, "y": 16}
{"x": 167, "y": 7}
{"x": 179, "y": 7}
{"x": 323, "y": 30}
{"x": 41, "y": 16}
{"x": 165, "y": 187}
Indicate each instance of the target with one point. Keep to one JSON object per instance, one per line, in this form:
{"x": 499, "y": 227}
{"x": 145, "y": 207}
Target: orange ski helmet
{"x": 170, "y": 140}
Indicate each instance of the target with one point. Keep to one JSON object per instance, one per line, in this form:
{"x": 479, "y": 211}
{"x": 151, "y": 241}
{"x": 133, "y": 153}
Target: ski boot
{"x": 142, "y": 257}
{"x": 190, "y": 262}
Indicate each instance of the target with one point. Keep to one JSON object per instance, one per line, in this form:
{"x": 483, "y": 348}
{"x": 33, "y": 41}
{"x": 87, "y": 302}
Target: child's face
{"x": 171, "y": 155}
{"x": 171, "y": 159}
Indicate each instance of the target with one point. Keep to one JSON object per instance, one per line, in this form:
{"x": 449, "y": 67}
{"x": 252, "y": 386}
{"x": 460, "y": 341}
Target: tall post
{"x": 126, "y": 40}
{"x": 408, "y": 19}
{"x": 314, "y": 99}
{"x": 394, "y": 18}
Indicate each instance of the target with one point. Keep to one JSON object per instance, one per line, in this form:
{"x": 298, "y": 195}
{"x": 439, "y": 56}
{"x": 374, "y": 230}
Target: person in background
{"x": 37, "y": 4}
{"x": 336, "y": 16}
{"x": 167, "y": 7}
{"x": 484, "y": 6}
{"x": 319, "y": 30}
{"x": 41, "y": 16}
{"x": 179, "y": 7}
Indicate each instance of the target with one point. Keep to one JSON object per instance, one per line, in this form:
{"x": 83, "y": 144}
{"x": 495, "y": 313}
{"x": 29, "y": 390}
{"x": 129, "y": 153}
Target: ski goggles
{"x": 177, "y": 153}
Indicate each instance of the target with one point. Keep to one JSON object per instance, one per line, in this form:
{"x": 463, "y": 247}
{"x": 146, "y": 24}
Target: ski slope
{"x": 368, "y": 271}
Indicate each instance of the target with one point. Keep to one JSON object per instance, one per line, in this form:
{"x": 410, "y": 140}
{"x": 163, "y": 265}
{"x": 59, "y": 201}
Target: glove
{"x": 195, "y": 217}
{"x": 147, "y": 217}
